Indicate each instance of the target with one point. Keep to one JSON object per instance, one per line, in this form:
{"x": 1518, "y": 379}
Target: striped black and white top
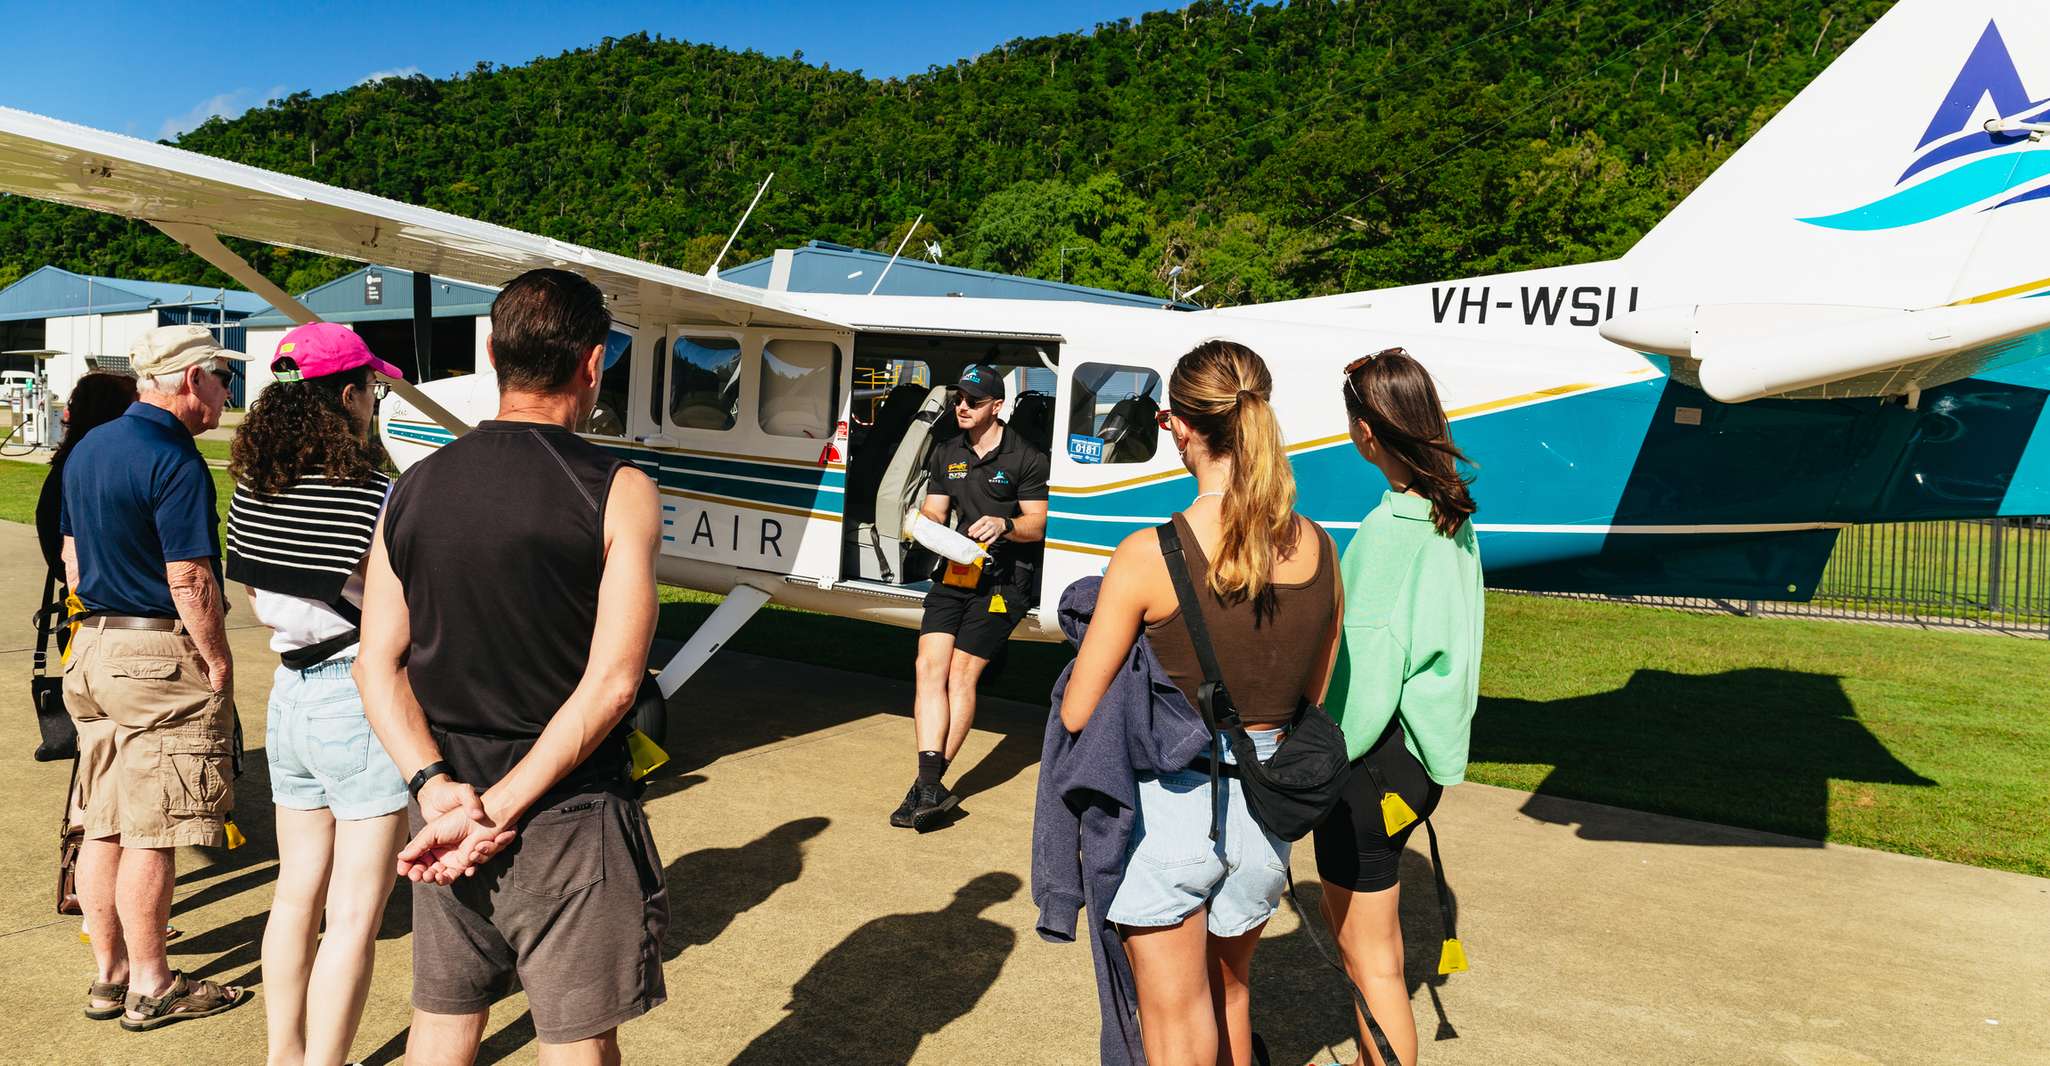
{"x": 305, "y": 541}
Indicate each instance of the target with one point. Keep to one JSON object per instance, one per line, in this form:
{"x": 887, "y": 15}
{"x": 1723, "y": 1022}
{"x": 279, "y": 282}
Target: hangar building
{"x": 92, "y": 321}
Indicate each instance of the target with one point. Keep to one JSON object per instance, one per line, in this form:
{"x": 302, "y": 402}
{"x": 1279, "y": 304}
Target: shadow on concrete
{"x": 878, "y": 994}
{"x": 1754, "y": 748}
{"x": 711, "y": 887}
{"x": 1301, "y": 1006}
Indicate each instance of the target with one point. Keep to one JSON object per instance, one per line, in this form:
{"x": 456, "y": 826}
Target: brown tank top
{"x": 1268, "y": 649}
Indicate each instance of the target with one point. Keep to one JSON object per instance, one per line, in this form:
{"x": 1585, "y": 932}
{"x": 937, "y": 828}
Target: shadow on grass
{"x": 1754, "y": 748}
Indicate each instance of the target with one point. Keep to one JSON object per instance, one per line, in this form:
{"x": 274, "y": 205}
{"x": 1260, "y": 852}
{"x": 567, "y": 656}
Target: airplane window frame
{"x": 1087, "y": 383}
{"x": 672, "y": 403}
{"x": 766, "y": 373}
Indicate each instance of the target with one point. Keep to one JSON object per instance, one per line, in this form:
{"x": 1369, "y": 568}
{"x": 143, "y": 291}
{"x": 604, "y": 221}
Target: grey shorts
{"x": 575, "y": 909}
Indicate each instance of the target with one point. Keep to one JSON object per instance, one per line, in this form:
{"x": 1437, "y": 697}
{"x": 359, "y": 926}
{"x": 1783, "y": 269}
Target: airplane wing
{"x": 197, "y": 198}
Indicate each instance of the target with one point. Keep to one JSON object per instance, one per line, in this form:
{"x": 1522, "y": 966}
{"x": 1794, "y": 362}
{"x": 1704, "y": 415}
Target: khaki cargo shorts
{"x": 154, "y": 739}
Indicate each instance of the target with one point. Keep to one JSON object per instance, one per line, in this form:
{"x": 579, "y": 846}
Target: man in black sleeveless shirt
{"x": 507, "y": 615}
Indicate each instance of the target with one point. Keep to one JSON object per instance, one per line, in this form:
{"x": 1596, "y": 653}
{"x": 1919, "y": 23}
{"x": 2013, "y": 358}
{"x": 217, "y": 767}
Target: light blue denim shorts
{"x": 1172, "y": 866}
{"x": 320, "y": 748}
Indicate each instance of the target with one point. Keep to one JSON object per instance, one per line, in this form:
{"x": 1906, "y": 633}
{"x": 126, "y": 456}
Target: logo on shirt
{"x": 956, "y": 471}
{"x": 1000, "y": 478}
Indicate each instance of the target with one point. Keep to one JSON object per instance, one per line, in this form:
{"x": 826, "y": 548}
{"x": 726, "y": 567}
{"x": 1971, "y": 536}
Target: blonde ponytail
{"x": 1224, "y": 392}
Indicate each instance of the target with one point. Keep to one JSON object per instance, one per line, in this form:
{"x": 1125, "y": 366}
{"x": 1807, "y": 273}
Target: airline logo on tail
{"x": 1992, "y": 173}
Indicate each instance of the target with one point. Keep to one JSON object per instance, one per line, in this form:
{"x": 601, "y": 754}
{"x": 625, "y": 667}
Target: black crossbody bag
{"x": 1294, "y": 789}
{"x": 59, "y": 735}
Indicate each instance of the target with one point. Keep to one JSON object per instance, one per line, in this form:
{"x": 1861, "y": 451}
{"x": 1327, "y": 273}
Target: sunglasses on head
{"x": 1354, "y": 368}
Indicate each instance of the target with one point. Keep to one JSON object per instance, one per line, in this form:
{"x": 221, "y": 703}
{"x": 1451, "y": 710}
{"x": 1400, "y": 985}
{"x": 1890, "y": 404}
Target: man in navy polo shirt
{"x": 149, "y": 681}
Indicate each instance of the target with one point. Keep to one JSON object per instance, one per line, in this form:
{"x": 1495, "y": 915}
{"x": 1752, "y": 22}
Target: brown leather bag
{"x": 67, "y": 870}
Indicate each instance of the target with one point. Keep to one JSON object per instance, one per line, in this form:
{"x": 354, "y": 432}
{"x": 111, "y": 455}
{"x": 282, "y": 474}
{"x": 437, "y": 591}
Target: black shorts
{"x": 1354, "y": 849}
{"x": 966, "y": 616}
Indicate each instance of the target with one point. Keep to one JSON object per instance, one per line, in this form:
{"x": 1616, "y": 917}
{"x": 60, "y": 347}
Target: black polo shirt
{"x": 995, "y": 484}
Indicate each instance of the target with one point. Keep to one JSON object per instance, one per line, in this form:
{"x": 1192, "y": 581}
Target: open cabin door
{"x": 738, "y": 425}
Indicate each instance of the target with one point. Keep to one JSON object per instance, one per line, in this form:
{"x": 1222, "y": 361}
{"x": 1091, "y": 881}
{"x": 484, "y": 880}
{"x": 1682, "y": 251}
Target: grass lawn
{"x": 1897, "y": 739}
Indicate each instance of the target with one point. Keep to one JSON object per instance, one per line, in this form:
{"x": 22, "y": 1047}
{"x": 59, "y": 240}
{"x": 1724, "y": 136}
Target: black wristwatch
{"x": 426, "y": 774}
{"x": 1009, "y": 525}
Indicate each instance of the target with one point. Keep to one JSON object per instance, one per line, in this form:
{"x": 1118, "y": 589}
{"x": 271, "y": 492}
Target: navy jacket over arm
{"x": 1083, "y": 816}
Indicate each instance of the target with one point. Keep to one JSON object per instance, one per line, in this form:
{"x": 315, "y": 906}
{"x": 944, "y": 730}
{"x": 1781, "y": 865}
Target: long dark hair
{"x": 300, "y": 429}
{"x": 97, "y": 399}
{"x": 1392, "y": 393}
{"x": 1224, "y": 392}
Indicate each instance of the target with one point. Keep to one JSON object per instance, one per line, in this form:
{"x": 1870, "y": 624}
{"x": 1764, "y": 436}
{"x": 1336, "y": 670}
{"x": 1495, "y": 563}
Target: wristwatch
{"x": 1009, "y": 525}
{"x": 427, "y": 773}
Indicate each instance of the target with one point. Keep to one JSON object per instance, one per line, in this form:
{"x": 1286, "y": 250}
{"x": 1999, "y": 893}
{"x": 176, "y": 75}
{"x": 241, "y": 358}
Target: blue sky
{"x": 126, "y": 67}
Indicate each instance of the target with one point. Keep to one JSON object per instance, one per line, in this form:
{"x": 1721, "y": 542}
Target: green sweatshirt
{"x": 1412, "y": 639}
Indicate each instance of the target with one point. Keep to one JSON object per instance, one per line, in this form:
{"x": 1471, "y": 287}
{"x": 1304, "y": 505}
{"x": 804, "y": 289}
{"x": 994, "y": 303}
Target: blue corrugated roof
{"x": 822, "y": 266}
{"x": 346, "y": 299}
{"x": 52, "y": 292}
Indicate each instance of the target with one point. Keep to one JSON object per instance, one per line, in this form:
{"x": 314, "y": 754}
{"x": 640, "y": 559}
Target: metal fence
{"x": 1991, "y": 574}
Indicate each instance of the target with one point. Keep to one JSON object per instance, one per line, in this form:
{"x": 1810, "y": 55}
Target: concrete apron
{"x": 806, "y": 929}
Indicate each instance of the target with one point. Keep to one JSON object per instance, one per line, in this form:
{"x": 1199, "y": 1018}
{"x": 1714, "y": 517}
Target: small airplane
{"x": 1837, "y": 327}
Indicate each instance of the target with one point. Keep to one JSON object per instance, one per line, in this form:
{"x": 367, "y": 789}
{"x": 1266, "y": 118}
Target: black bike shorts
{"x": 967, "y": 616}
{"x": 1354, "y": 849}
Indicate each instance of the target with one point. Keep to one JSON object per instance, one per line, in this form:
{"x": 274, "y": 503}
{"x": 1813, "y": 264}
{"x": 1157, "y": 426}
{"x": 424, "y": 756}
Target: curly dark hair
{"x": 300, "y": 429}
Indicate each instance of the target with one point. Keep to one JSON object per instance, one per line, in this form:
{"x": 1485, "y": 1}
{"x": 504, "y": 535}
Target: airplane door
{"x": 748, "y": 471}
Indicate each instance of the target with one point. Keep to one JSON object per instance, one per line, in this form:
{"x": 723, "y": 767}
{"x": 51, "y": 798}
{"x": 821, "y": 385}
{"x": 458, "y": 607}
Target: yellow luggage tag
{"x": 996, "y": 604}
{"x": 74, "y": 609}
{"x": 1396, "y": 814}
{"x": 644, "y": 753}
{"x": 1452, "y": 957}
{"x": 235, "y": 837}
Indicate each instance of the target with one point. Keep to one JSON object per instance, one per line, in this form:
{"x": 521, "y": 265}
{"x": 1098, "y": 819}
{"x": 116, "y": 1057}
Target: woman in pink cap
{"x": 309, "y": 484}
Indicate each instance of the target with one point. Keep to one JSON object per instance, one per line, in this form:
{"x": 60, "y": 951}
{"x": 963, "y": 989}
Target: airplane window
{"x": 800, "y": 385}
{"x": 1111, "y": 414}
{"x": 608, "y": 416}
{"x": 704, "y": 382}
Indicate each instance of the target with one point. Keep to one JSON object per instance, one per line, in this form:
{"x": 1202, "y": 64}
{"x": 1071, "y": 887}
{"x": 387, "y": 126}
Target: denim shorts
{"x": 320, "y": 748}
{"x": 1172, "y": 866}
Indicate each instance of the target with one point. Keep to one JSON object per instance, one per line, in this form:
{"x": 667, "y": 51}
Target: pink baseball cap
{"x": 318, "y": 349}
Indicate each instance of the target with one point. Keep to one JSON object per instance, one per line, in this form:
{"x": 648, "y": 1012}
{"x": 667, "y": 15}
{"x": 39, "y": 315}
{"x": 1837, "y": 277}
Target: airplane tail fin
{"x": 1905, "y": 176}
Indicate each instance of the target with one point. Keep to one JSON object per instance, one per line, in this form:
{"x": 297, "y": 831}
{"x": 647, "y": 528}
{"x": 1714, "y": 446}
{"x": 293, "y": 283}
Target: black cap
{"x": 982, "y": 381}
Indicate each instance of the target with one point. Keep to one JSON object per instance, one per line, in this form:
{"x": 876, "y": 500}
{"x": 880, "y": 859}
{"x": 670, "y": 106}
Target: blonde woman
{"x": 1189, "y": 908}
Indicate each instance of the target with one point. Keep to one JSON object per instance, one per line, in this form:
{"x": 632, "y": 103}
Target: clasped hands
{"x": 460, "y": 835}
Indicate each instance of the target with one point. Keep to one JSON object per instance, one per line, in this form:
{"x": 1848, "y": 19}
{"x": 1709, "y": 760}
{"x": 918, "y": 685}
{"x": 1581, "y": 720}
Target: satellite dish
{"x": 932, "y": 251}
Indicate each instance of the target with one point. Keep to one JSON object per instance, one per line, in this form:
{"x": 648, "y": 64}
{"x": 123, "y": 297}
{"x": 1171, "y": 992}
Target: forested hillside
{"x": 1272, "y": 151}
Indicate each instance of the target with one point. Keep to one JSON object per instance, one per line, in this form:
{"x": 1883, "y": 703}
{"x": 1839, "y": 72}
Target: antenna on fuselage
{"x": 893, "y": 255}
{"x": 713, "y": 270}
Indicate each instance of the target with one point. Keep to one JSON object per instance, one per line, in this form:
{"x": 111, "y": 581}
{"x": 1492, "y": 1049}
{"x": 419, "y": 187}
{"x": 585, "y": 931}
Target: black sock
{"x": 931, "y": 767}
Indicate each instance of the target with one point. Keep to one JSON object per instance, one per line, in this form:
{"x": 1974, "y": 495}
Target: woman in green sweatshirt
{"x": 1407, "y": 675}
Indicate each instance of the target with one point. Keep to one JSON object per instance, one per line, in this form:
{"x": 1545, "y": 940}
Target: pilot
{"x": 991, "y": 482}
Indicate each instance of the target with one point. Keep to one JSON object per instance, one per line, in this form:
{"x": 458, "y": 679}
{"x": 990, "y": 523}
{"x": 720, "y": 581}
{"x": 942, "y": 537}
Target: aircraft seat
{"x": 865, "y": 466}
{"x": 903, "y": 484}
{"x": 1130, "y": 433}
{"x": 1032, "y": 417}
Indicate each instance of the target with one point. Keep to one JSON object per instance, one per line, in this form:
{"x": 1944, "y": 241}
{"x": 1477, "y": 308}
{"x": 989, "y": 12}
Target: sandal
{"x": 185, "y": 999}
{"x": 114, "y": 990}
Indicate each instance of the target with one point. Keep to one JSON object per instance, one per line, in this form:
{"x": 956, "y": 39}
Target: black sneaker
{"x": 902, "y": 816}
{"x": 935, "y": 802}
